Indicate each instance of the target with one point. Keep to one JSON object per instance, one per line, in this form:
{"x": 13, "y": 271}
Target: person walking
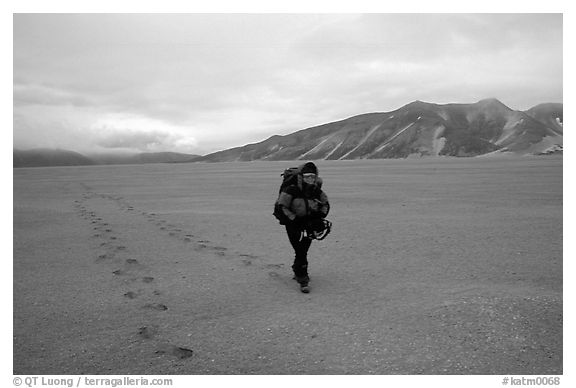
{"x": 305, "y": 206}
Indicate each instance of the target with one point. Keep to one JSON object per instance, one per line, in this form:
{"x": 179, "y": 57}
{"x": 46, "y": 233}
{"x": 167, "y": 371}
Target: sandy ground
{"x": 444, "y": 266}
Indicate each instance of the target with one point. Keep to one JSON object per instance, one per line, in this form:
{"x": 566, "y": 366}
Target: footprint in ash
{"x": 156, "y": 306}
{"x": 104, "y": 256}
{"x": 133, "y": 263}
{"x": 131, "y": 295}
{"x": 176, "y": 351}
{"x": 220, "y": 251}
{"x": 278, "y": 266}
{"x": 148, "y": 332}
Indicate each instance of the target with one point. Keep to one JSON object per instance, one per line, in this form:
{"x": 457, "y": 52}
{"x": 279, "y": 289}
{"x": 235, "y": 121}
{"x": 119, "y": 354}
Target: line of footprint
{"x": 109, "y": 240}
{"x": 130, "y": 270}
{"x": 199, "y": 243}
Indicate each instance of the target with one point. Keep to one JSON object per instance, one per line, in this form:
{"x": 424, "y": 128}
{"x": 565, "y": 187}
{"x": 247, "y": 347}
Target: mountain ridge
{"x": 418, "y": 129}
{"x": 47, "y": 157}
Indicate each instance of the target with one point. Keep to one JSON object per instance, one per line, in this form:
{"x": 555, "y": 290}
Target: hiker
{"x": 304, "y": 205}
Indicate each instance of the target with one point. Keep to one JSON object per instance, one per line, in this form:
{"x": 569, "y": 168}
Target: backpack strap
{"x": 299, "y": 182}
{"x": 306, "y": 205}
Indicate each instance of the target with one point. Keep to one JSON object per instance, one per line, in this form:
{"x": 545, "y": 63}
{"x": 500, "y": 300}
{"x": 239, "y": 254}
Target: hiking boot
{"x": 302, "y": 279}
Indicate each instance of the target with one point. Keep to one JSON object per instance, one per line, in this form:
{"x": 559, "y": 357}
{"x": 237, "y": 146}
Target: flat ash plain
{"x": 434, "y": 266}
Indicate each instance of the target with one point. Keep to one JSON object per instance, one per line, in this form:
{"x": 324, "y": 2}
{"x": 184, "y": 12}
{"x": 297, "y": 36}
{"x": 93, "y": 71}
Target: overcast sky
{"x": 199, "y": 83}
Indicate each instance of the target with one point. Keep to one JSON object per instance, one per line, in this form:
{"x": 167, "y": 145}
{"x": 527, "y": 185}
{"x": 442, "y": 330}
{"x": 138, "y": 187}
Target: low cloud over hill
{"x": 41, "y": 157}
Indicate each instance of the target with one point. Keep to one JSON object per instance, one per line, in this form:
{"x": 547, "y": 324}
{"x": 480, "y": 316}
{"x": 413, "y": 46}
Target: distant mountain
{"x": 143, "y": 158}
{"x": 549, "y": 114}
{"x": 43, "y": 157}
{"x": 416, "y": 130}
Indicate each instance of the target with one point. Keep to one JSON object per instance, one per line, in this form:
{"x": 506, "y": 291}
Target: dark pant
{"x": 301, "y": 246}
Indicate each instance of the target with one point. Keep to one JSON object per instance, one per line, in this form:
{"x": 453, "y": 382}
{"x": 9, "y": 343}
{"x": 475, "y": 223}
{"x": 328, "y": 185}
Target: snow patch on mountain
{"x": 393, "y": 137}
{"x": 335, "y": 148}
{"x": 315, "y": 149}
{"x": 438, "y": 141}
{"x": 559, "y": 121}
{"x": 363, "y": 140}
{"x": 547, "y": 145}
{"x": 509, "y": 128}
{"x": 442, "y": 113}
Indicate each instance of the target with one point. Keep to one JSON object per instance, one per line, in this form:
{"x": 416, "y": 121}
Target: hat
{"x": 308, "y": 168}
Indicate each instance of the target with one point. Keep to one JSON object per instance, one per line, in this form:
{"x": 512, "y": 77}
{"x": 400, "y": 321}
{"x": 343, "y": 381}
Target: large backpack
{"x": 290, "y": 176}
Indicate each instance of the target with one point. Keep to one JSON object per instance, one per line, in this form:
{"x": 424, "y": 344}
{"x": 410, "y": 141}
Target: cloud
{"x": 135, "y": 133}
{"x": 145, "y": 141}
{"x": 37, "y": 94}
{"x": 204, "y": 82}
{"x": 86, "y": 129}
{"x": 43, "y": 125}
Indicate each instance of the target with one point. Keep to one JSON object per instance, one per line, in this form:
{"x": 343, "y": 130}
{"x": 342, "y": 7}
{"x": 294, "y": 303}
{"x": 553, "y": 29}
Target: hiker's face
{"x": 309, "y": 178}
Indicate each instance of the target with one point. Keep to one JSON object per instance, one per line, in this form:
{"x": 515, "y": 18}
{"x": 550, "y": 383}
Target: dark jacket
{"x": 304, "y": 203}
